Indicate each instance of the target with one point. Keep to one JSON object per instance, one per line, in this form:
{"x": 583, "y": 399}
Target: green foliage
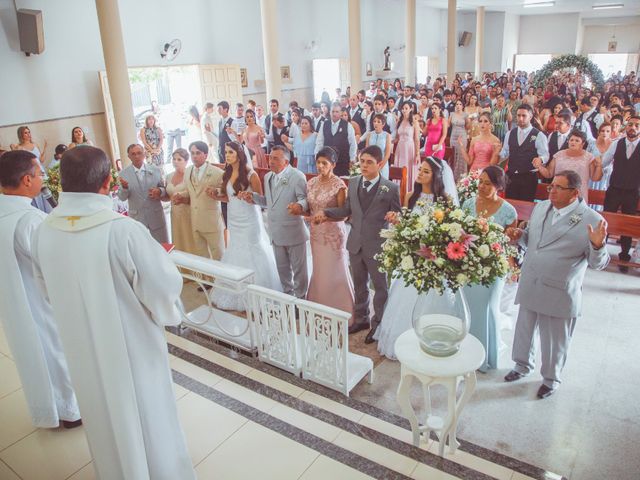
{"x": 579, "y": 62}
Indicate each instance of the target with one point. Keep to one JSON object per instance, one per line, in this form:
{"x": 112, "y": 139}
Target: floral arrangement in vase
{"x": 468, "y": 185}
{"x": 52, "y": 181}
{"x": 439, "y": 247}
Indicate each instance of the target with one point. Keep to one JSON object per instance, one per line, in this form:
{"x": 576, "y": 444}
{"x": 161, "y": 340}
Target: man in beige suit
{"x": 202, "y": 180}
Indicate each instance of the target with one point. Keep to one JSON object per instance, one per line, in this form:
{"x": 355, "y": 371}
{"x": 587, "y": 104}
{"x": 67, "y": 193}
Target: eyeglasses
{"x": 558, "y": 187}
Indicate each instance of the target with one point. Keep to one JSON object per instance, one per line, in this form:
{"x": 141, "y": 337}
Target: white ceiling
{"x": 584, "y": 7}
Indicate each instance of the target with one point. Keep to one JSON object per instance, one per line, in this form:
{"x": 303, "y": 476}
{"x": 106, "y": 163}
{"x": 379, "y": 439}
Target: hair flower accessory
{"x": 575, "y": 219}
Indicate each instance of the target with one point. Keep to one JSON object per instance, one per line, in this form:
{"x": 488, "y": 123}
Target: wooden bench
{"x": 617, "y": 224}
{"x": 596, "y": 197}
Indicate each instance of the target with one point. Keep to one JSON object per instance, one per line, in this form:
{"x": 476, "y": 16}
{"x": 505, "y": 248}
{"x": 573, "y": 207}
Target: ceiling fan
{"x": 171, "y": 50}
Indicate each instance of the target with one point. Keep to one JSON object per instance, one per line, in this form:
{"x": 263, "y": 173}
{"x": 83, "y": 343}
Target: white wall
{"x": 548, "y": 33}
{"x": 597, "y": 37}
{"x": 510, "y": 37}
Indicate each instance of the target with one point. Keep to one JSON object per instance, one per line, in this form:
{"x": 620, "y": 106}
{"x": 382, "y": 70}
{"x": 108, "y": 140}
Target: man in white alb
{"x": 26, "y": 315}
{"x": 113, "y": 289}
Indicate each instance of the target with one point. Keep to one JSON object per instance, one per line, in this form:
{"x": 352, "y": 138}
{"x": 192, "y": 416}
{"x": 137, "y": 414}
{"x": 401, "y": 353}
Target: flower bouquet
{"x": 52, "y": 181}
{"x": 438, "y": 249}
{"x": 468, "y": 185}
{"x": 354, "y": 169}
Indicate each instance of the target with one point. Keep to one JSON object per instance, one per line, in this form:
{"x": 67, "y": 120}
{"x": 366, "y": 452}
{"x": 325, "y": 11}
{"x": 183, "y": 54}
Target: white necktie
{"x": 556, "y": 216}
{"x": 520, "y": 137}
{"x": 630, "y": 149}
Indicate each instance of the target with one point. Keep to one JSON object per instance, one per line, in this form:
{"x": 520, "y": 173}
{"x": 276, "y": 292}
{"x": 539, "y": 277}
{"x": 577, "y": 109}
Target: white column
{"x": 117, "y": 74}
{"x": 410, "y": 44}
{"x": 479, "y": 42}
{"x": 270, "y": 48}
{"x": 451, "y": 42}
{"x": 355, "y": 49}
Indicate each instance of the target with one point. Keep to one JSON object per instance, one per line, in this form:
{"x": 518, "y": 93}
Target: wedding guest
{"x": 355, "y": 111}
{"x": 78, "y": 138}
{"x": 522, "y": 145}
{"x": 25, "y": 142}
{"x": 616, "y": 127}
{"x": 279, "y": 132}
{"x": 624, "y": 183}
{"x": 208, "y": 127}
{"x": 364, "y": 241}
{"x": 484, "y": 302}
{"x": 598, "y": 149}
{"x": 559, "y": 140}
{"x": 589, "y": 119}
{"x": 181, "y": 230}
{"x": 303, "y": 145}
{"x": 484, "y": 148}
{"x": 379, "y": 106}
{"x": 248, "y": 240}
{"x": 253, "y": 137}
{"x": 316, "y": 116}
{"x": 575, "y": 158}
{"x": 202, "y": 180}
{"x": 340, "y": 135}
{"x": 473, "y": 110}
{"x": 501, "y": 118}
{"x": 459, "y": 122}
{"x": 382, "y": 140}
{"x": 436, "y": 133}
{"x": 58, "y": 151}
{"x": 225, "y": 132}
{"x": 346, "y": 116}
{"x": 549, "y": 120}
{"x": 27, "y": 316}
{"x": 427, "y": 188}
{"x": 562, "y": 238}
{"x": 285, "y": 195}
{"x": 143, "y": 187}
{"x": 330, "y": 283}
{"x": 152, "y": 139}
{"x": 407, "y": 151}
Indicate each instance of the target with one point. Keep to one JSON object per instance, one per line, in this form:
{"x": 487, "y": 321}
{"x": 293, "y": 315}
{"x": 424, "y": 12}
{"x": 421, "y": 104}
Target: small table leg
{"x": 402, "y": 396}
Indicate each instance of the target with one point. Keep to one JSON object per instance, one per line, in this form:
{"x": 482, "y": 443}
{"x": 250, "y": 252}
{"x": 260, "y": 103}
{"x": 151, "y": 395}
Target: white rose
{"x": 387, "y": 233}
{"x": 406, "y": 233}
{"x": 462, "y": 279}
{"x": 406, "y": 263}
{"x": 455, "y": 230}
{"x": 439, "y": 262}
{"x": 457, "y": 214}
{"x": 484, "y": 251}
{"x": 423, "y": 221}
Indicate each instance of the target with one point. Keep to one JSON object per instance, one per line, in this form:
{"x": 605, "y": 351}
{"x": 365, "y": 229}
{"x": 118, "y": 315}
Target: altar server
{"x": 113, "y": 288}
{"x": 26, "y": 315}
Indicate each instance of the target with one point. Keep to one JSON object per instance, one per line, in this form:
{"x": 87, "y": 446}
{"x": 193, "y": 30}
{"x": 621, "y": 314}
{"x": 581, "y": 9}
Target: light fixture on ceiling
{"x": 606, "y": 6}
{"x": 539, "y": 4}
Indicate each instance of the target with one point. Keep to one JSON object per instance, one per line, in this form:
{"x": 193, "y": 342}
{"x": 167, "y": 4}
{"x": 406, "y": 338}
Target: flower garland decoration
{"x": 468, "y": 185}
{"x": 52, "y": 181}
{"x": 579, "y": 62}
{"x": 439, "y": 246}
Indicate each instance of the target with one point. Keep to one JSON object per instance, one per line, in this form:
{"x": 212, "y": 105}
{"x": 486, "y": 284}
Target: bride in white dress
{"x": 248, "y": 241}
{"x": 397, "y": 318}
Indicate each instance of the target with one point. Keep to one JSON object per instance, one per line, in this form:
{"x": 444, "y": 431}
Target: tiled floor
{"x": 293, "y": 430}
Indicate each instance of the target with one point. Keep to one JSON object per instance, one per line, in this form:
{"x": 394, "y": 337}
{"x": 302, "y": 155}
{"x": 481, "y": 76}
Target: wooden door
{"x": 220, "y": 82}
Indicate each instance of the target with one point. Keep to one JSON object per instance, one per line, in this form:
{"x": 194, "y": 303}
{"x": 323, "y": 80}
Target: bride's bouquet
{"x": 468, "y": 185}
{"x": 354, "y": 169}
{"x": 439, "y": 246}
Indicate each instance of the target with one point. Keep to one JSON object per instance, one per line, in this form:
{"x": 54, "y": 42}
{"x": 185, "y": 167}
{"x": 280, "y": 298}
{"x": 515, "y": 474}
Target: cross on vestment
{"x": 73, "y": 220}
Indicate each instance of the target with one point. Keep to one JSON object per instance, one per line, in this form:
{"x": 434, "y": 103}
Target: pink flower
{"x": 456, "y": 251}
{"x": 467, "y": 239}
{"x": 426, "y": 252}
{"x": 496, "y": 247}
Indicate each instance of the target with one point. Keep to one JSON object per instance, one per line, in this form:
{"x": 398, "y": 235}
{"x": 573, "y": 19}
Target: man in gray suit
{"x": 143, "y": 186}
{"x": 370, "y": 197}
{"x": 285, "y": 198}
{"x": 563, "y": 237}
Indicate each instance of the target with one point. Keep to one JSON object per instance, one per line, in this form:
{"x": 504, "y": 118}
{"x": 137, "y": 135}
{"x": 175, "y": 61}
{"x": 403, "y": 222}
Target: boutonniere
{"x": 575, "y": 219}
{"x": 533, "y": 138}
{"x": 384, "y": 189}
{"x": 339, "y": 129}
{"x": 284, "y": 181}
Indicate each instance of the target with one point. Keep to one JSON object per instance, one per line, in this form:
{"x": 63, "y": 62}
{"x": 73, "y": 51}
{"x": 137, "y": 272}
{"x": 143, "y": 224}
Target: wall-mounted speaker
{"x": 465, "y": 39}
{"x": 31, "y": 31}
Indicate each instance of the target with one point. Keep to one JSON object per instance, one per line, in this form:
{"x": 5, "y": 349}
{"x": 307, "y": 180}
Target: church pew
{"x": 617, "y": 224}
{"x": 596, "y": 197}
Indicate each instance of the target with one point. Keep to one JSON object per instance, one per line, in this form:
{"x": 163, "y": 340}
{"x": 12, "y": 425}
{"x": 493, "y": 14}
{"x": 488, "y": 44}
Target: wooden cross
{"x": 73, "y": 220}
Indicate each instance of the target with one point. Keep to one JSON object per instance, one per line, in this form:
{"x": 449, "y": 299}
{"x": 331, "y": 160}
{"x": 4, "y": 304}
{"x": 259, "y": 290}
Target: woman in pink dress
{"x": 331, "y": 283}
{"x": 407, "y": 153}
{"x": 574, "y": 158}
{"x": 485, "y": 146}
{"x": 253, "y": 137}
{"x": 436, "y": 133}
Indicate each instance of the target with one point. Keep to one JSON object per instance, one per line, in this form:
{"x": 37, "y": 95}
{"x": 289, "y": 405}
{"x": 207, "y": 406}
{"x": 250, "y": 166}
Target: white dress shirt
{"x": 542, "y": 147}
{"x": 351, "y": 136}
{"x": 372, "y": 184}
{"x": 558, "y": 213}
{"x": 607, "y": 158}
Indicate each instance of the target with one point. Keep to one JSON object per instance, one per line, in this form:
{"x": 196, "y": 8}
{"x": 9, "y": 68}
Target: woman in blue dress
{"x": 303, "y": 144}
{"x": 484, "y": 302}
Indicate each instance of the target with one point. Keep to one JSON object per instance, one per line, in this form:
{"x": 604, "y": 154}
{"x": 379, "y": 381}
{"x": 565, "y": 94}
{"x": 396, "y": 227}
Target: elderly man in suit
{"x": 285, "y": 198}
{"x": 370, "y": 197}
{"x": 563, "y": 237}
{"x": 203, "y": 180}
{"x": 143, "y": 186}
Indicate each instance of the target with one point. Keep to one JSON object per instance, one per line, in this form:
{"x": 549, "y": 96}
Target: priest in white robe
{"x": 113, "y": 288}
{"x": 26, "y": 315}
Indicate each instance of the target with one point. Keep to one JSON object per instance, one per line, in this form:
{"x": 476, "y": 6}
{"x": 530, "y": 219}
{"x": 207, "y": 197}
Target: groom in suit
{"x": 285, "y": 198}
{"x": 563, "y": 237}
{"x": 370, "y": 196}
{"x": 143, "y": 186}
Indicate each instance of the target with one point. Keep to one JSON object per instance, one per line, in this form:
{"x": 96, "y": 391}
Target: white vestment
{"x": 28, "y": 320}
{"x": 113, "y": 288}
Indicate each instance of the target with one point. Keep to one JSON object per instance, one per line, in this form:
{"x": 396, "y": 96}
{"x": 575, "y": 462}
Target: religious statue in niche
{"x": 387, "y": 59}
